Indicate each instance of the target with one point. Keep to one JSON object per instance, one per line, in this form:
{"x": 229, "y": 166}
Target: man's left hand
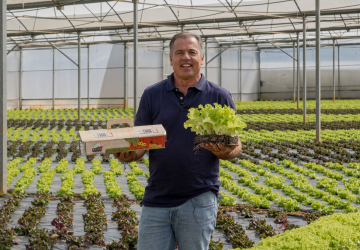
{"x": 223, "y": 152}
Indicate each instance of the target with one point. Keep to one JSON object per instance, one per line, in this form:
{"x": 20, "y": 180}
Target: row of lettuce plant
{"x": 286, "y": 118}
{"x": 88, "y": 178}
{"x": 38, "y": 238}
{"x": 135, "y": 187}
{"x": 87, "y": 114}
{"x": 12, "y": 169}
{"x": 127, "y": 224}
{"x": 249, "y": 180}
{"x": 7, "y": 234}
{"x": 28, "y": 176}
{"x": 300, "y": 182}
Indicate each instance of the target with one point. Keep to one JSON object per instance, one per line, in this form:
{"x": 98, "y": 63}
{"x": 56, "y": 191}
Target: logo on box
{"x": 97, "y": 147}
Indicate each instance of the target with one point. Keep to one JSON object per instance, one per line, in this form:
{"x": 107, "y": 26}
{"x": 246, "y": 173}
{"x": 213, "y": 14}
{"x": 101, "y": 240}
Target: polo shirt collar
{"x": 199, "y": 86}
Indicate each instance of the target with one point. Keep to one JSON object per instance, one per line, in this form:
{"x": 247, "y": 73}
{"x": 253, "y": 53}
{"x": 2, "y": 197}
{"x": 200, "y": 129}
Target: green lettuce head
{"x": 214, "y": 120}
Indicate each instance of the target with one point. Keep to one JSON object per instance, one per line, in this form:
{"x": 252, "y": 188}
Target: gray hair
{"x": 186, "y": 34}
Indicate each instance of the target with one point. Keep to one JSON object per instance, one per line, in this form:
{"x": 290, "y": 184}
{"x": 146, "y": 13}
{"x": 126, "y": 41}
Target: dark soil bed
{"x": 223, "y": 139}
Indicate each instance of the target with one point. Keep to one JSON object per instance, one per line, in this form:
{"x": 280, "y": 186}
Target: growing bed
{"x": 280, "y": 172}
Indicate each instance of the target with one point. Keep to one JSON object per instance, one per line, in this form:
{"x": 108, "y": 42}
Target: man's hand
{"x": 130, "y": 156}
{"x": 125, "y": 156}
{"x": 223, "y": 152}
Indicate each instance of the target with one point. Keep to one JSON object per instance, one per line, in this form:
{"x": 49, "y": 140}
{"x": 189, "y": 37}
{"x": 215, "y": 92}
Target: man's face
{"x": 186, "y": 58}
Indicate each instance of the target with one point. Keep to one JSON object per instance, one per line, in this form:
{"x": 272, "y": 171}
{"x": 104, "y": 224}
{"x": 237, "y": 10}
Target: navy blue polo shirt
{"x": 177, "y": 174}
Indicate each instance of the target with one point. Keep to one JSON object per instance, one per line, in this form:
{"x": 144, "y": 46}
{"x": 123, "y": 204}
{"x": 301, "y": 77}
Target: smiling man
{"x": 180, "y": 201}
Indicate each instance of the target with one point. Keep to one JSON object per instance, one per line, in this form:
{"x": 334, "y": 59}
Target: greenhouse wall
{"x": 277, "y": 73}
{"x": 106, "y": 74}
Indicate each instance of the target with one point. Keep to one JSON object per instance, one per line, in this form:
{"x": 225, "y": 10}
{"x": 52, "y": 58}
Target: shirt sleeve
{"x": 143, "y": 115}
{"x": 228, "y": 101}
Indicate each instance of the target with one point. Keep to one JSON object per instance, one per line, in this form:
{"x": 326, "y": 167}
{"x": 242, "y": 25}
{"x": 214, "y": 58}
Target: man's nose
{"x": 186, "y": 55}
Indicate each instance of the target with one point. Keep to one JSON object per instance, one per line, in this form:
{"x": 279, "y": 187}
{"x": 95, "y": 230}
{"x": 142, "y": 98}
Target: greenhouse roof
{"x": 39, "y": 22}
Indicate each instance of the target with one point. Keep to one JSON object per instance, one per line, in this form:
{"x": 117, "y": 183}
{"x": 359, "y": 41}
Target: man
{"x": 180, "y": 201}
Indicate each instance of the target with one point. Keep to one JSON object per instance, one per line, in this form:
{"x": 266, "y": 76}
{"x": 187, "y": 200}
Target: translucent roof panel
{"x": 246, "y": 21}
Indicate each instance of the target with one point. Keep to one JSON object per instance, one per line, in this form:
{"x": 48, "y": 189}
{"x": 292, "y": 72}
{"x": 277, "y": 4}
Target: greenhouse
{"x": 77, "y": 73}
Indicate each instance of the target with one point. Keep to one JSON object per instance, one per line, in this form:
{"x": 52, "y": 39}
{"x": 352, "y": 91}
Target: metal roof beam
{"x": 282, "y": 50}
{"x": 73, "y": 44}
{"x": 45, "y": 44}
{"x": 48, "y": 4}
{"x": 173, "y": 13}
{"x": 297, "y": 5}
{"x": 147, "y": 25}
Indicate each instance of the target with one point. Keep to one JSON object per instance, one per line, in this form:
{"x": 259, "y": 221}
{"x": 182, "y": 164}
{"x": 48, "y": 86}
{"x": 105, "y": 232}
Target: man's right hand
{"x": 130, "y": 156}
{"x": 126, "y": 156}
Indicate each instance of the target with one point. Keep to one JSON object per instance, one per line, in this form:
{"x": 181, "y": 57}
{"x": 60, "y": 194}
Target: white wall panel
{"x": 37, "y": 85}
{"x": 13, "y": 61}
{"x": 214, "y": 75}
{"x": 278, "y": 80}
{"x": 349, "y": 55}
{"x": 107, "y": 83}
{"x": 106, "y": 71}
{"x": 147, "y": 77}
{"x": 212, "y": 51}
{"x": 249, "y": 97}
{"x": 37, "y": 60}
{"x": 104, "y": 56}
{"x": 149, "y": 57}
{"x": 230, "y": 59}
{"x": 66, "y": 84}
{"x": 62, "y": 62}
{"x": 168, "y": 68}
{"x": 12, "y": 85}
{"x": 274, "y": 58}
{"x": 250, "y": 60}
{"x": 249, "y": 81}
{"x": 350, "y": 75}
{"x": 230, "y": 80}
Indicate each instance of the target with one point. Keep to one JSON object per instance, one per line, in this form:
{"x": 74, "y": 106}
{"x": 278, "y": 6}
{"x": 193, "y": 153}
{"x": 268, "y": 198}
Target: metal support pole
{"x": 79, "y": 77}
{"x": 135, "y": 53}
{"x": 126, "y": 76}
{"x": 55, "y": 47}
{"x": 294, "y": 77}
{"x": 334, "y": 91}
{"x": 298, "y": 72}
{"x": 20, "y": 80}
{"x": 88, "y": 77}
{"x": 304, "y": 71}
{"x": 318, "y": 76}
{"x": 163, "y": 60}
{"x": 338, "y": 71}
{"x": 206, "y": 58}
{"x": 220, "y": 68}
{"x": 240, "y": 67}
{"x": 259, "y": 84}
{"x": 53, "y": 81}
{"x": 3, "y": 98}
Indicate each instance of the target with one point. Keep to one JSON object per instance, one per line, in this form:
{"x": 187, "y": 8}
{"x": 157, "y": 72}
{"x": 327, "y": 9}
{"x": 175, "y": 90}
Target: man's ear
{"x": 170, "y": 60}
{"x": 202, "y": 59}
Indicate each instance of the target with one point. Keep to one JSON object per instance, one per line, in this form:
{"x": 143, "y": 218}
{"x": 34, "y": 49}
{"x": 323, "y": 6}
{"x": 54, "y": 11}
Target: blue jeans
{"x": 190, "y": 225}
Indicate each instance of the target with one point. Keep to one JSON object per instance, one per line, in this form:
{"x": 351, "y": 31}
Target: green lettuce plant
{"x": 214, "y": 120}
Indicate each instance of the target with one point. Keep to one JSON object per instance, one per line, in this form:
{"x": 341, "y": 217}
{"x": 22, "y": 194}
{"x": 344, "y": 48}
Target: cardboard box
{"x": 122, "y": 139}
